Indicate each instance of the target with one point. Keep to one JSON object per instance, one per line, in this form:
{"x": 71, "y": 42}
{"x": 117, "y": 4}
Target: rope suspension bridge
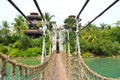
{"x": 59, "y": 65}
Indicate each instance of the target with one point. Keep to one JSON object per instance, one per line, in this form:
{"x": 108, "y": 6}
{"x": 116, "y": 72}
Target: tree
{"x": 5, "y": 29}
{"x": 49, "y": 25}
{"x": 48, "y": 18}
{"x": 70, "y": 26}
{"x": 90, "y": 33}
{"x": 20, "y": 25}
{"x": 117, "y": 23}
{"x": 103, "y": 26}
{"x": 70, "y": 23}
{"x": 115, "y": 34}
{"x": 5, "y": 33}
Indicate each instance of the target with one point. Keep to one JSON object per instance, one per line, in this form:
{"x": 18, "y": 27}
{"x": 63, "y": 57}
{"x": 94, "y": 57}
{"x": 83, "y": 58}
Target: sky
{"x": 62, "y": 9}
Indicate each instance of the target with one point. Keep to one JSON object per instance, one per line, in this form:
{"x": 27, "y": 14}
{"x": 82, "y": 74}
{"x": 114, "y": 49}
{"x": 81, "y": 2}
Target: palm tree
{"x": 5, "y": 29}
{"x": 70, "y": 26}
{"x": 103, "y": 26}
{"x": 48, "y": 18}
{"x": 20, "y": 25}
{"x": 117, "y": 23}
{"x": 5, "y": 32}
{"x": 70, "y": 23}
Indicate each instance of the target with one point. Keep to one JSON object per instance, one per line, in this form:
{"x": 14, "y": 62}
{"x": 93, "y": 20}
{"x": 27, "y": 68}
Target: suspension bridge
{"x": 59, "y": 64}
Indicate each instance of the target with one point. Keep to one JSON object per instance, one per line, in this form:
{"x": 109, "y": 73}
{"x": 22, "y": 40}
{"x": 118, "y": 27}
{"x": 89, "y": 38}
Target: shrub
{"x": 87, "y": 54}
{"x": 32, "y": 52}
{"x": 4, "y": 49}
{"x": 14, "y": 52}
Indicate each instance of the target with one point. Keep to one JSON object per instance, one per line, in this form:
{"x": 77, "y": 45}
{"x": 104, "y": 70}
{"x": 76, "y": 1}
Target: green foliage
{"x": 102, "y": 42}
{"x": 26, "y": 42}
{"x": 22, "y": 44}
{"x": 14, "y": 52}
{"x": 20, "y": 25}
{"x": 5, "y": 36}
{"x": 48, "y": 18}
{"x": 30, "y": 52}
{"x": 70, "y": 23}
{"x": 98, "y": 41}
{"x": 4, "y": 49}
{"x": 15, "y": 38}
{"x": 17, "y": 44}
{"x": 87, "y": 54}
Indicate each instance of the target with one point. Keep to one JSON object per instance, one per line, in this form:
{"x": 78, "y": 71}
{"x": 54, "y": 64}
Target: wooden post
{"x": 25, "y": 72}
{"x": 20, "y": 72}
{"x": 13, "y": 72}
{"x": 3, "y": 69}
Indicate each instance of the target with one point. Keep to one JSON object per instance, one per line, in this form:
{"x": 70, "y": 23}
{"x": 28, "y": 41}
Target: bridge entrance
{"x": 57, "y": 39}
{"x": 57, "y": 47}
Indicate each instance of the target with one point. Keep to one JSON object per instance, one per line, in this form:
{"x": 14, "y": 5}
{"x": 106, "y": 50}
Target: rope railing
{"x": 49, "y": 72}
{"x": 88, "y": 74}
{"x": 18, "y": 71}
{"x": 75, "y": 69}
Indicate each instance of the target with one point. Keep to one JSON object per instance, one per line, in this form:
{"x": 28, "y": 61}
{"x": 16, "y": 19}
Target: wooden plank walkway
{"x": 61, "y": 73}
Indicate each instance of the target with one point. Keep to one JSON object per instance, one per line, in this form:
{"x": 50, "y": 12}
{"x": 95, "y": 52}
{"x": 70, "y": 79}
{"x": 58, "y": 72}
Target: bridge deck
{"x": 61, "y": 74}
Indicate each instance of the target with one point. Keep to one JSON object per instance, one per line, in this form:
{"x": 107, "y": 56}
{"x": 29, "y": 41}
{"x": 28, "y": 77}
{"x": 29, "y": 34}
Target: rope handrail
{"x": 84, "y": 66}
{"x": 75, "y": 68}
{"x": 28, "y": 70}
{"x": 49, "y": 73}
{"x": 7, "y": 59}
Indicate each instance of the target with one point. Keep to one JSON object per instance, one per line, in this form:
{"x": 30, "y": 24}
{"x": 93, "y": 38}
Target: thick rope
{"x": 90, "y": 73}
{"x": 28, "y": 70}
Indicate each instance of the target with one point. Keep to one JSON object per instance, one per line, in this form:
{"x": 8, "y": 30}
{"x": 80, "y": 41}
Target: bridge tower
{"x": 54, "y": 38}
{"x": 61, "y": 34}
{"x": 58, "y": 38}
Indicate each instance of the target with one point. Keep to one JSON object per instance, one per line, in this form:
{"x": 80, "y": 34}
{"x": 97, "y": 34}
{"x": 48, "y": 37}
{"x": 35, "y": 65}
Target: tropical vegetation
{"x": 94, "y": 40}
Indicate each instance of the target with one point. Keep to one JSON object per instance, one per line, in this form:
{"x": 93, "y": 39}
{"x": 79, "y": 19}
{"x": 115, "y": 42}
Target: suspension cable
{"x": 40, "y": 12}
{"x": 82, "y": 8}
{"x": 14, "y": 5}
{"x": 101, "y": 13}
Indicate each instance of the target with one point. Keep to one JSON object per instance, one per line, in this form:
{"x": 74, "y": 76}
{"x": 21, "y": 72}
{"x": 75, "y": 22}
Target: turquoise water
{"x": 109, "y": 67}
